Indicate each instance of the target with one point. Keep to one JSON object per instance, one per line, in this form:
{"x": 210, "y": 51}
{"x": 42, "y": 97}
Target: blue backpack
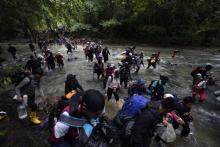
{"x": 133, "y": 105}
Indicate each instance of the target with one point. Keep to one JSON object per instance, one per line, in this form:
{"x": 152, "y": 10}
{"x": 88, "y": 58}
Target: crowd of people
{"x": 148, "y": 113}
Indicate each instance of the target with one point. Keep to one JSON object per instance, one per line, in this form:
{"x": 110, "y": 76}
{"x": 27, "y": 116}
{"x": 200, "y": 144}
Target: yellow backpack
{"x": 70, "y": 94}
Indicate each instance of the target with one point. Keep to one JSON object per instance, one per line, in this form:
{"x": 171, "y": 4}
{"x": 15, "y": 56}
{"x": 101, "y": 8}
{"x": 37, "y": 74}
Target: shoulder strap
{"x": 72, "y": 121}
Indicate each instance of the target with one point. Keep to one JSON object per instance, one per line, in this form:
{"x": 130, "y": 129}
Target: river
{"x": 206, "y": 125}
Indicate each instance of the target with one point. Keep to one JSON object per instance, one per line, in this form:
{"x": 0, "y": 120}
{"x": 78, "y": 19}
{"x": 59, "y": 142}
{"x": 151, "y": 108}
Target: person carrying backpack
{"x": 86, "y": 52}
{"x": 69, "y": 48}
{"x": 133, "y": 105}
{"x": 124, "y": 74}
{"x": 30, "y": 63}
{"x": 32, "y": 48}
{"x": 99, "y": 68}
{"x": 59, "y": 59}
{"x": 199, "y": 88}
{"x": 90, "y": 54}
{"x": 203, "y": 71}
{"x": 26, "y": 86}
{"x": 137, "y": 88}
{"x": 72, "y": 83}
{"x": 105, "y": 53}
{"x": 13, "y": 51}
{"x": 145, "y": 125}
{"x": 50, "y": 60}
{"x": 125, "y": 118}
{"x": 184, "y": 117}
{"x": 113, "y": 86}
{"x": 108, "y": 72}
{"x": 139, "y": 62}
{"x": 153, "y": 60}
{"x": 128, "y": 58}
{"x": 77, "y": 121}
{"x": 156, "y": 88}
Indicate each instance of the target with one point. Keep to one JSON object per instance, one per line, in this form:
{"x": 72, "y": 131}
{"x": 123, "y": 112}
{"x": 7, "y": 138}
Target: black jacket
{"x": 124, "y": 72}
{"x": 72, "y": 84}
{"x": 144, "y": 126}
{"x": 183, "y": 112}
{"x": 29, "y": 64}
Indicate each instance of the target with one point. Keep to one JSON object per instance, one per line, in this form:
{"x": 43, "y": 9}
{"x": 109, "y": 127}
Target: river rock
{"x": 218, "y": 98}
{"x": 217, "y": 93}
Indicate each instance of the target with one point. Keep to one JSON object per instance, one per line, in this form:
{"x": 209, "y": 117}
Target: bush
{"x": 110, "y": 26}
{"x": 183, "y": 38}
{"x": 7, "y": 73}
{"x": 151, "y": 33}
{"x": 81, "y": 29}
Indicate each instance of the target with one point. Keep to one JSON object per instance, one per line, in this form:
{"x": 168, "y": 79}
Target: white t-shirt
{"x": 61, "y": 129}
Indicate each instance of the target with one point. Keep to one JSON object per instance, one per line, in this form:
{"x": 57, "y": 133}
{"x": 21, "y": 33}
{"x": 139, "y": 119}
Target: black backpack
{"x": 105, "y": 134}
{"x": 18, "y": 76}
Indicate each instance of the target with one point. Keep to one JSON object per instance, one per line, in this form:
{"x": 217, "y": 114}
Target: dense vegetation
{"x": 183, "y": 22}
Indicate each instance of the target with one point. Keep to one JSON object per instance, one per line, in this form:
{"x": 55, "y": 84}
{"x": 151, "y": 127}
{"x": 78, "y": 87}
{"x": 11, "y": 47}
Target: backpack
{"x": 133, "y": 105}
{"x": 18, "y": 76}
{"x": 105, "y": 134}
{"x": 37, "y": 67}
{"x": 131, "y": 109}
{"x": 150, "y": 87}
{"x": 157, "y": 88}
{"x": 58, "y": 108}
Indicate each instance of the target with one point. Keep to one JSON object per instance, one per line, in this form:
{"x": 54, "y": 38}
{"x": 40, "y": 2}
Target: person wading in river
{"x": 153, "y": 60}
{"x": 113, "y": 86}
{"x": 27, "y": 87}
{"x": 145, "y": 125}
{"x": 59, "y": 59}
{"x": 199, "y": 88}
{"x": 105, "y": 53}
{"x": 13, "y": 51}
{"x": 99, "y": 68}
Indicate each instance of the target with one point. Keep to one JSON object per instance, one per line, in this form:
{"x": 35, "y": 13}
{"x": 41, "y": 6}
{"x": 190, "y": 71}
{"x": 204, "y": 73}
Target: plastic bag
{"x": 169, "y": 134}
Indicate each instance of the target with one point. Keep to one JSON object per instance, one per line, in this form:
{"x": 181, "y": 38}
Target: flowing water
{"x": 206, "y": 124}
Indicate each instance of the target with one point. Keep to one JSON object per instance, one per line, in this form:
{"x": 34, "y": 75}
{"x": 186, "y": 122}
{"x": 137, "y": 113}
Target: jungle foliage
{"x": 182, "y": 22}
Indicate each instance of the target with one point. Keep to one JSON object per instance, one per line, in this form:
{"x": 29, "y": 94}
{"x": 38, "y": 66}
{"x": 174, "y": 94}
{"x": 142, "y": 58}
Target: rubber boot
{"x": 33, "y": 118}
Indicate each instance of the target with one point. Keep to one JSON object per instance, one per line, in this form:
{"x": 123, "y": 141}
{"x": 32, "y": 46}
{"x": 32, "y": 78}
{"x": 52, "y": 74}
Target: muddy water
{"x": 206, "y": 125}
